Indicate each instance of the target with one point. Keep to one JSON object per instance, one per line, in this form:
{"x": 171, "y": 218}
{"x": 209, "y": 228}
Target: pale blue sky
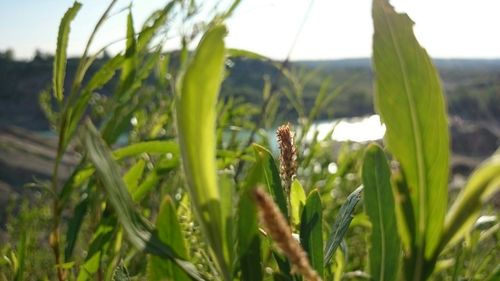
{"x": 334, "y": 29}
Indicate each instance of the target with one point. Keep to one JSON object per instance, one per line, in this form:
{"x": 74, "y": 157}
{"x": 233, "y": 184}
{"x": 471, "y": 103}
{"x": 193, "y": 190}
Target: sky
{"x": 331, "y": 29}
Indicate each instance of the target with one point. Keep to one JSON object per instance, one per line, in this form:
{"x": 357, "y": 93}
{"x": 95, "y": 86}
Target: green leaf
{"x": 146, "y": 186}
{"x": 196, "y": 113}
{"x": 311, "y": 231}
{"x": 100, "y": 78}
{"x": 481, "y": 186}
{"x": 60, "y": 56}
{"x": 270, "y": 177}
{"x": 341, "y": 225}
{"x": 248, "y": 246}
{"x": 379, "y": 206}
{"x": 158, "y": 20}
{"x": 170, "y": 233}
{"x": 409, "y": 99}
{"x": 129, "y": 67}
{"x": 240, "y": 53}
{"x": 139, "y": 231}
{"x": 226, "y": 186}
{"x": 133, "y": 175}
{"x": 297, "y": 201}
{"x": 98, "y": 246}
{"x": 404, "y": 211}
{"x": 126, "y": 106}
{"x": 158, "y": 147}
{"x": 74, "y": 226}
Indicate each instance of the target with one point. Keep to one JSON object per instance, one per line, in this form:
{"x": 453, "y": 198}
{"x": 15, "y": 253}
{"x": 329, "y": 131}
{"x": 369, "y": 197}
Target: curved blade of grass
{"x": 408, "y": 97}
{"x": 60, "y": 56}
{"x": 481, "y": 186}
{"x": 270, "y": 177}
{"x": 311, "y": 231}
{"x": 170, "y": 233}
{"x": 139, "y": 231}
{"x": 196, "y": 113}
{"x": 379, "y": 206}
{"x": 341, "y": 225}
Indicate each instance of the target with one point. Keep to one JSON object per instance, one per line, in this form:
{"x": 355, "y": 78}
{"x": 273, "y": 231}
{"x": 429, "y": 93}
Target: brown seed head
{"x": 288, "y": 155}
{"x": 276, "y": 226}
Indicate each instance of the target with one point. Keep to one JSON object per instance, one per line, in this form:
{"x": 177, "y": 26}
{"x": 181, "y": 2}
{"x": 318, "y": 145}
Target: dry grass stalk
{"x": 288, "y": 155}
{"x": 277, "y": 227}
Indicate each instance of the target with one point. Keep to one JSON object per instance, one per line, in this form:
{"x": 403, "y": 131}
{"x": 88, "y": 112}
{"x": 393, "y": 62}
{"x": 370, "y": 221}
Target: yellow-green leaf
{"x": 196, "y": 119}
{"x": 409, "y": 99}
{"x": 60, "y": 56}
{"x": 379, "y": 206}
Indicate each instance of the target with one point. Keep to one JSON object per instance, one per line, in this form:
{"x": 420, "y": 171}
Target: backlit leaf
{"x": 409, "y": 99}
{"x": 379, "y": 206}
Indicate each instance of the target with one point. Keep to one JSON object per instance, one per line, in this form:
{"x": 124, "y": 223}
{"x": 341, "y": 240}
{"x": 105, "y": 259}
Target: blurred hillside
{"x": 472, "y": 87}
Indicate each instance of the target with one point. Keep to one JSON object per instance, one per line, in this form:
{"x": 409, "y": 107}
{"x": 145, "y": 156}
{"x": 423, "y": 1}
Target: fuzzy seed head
{"x": 276, "y": 226}
{"x": 288, "y": 155}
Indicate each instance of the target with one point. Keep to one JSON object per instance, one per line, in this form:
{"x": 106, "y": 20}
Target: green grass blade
{"x": 270, "y": 177}
{"x": 60, "y": 56}
{"x": 341, "y": 225}
{"x": 311, "y": 231}
{"x": 481, "y": 186}
{"x": 157, "y": 147}
{"x": 409, "y": 99}
{"x": 379, "y": 206}
{"x": 170, "y": 233}
{"x": 22, "y": 251}
{"x": 139, "y": 231}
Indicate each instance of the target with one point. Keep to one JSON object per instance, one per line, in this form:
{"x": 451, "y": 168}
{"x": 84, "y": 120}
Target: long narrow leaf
{"x": 60, "y": 56}
{"x": 379, "y": 206}
{"x": 248, "y": 246}
{"x": 482, "y": 184}
{"x": 409, "y": 99}
{"x": 311, "y": 231}
{"x": 270, "y": 177}
{"x": 341, "y": 225}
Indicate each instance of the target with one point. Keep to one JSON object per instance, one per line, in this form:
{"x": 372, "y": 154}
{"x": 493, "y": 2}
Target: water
{"x": 357, "y": 129}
